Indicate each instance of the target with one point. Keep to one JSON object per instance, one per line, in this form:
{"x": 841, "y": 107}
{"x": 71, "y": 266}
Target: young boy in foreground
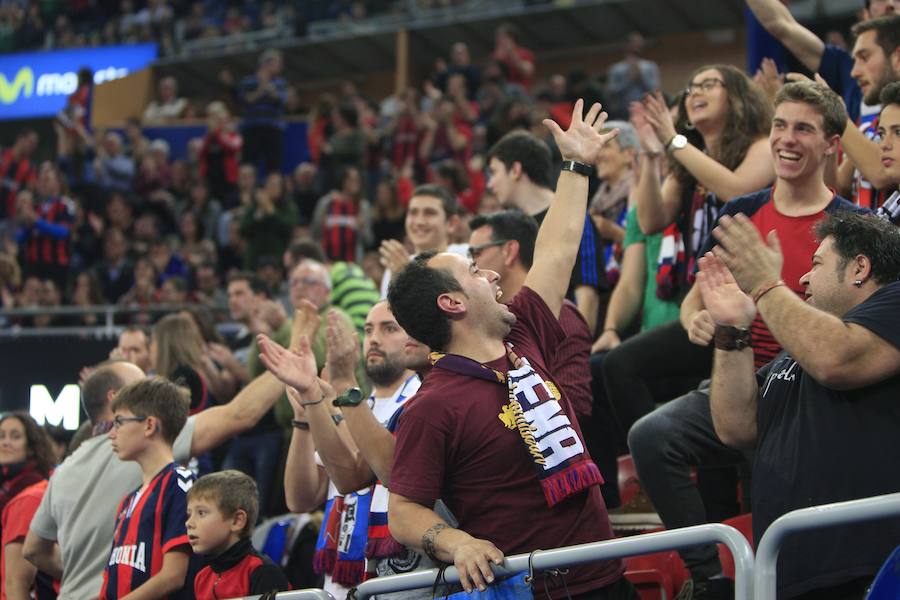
{"x": 221, "y": 512}
{"x": 150, "y": 556}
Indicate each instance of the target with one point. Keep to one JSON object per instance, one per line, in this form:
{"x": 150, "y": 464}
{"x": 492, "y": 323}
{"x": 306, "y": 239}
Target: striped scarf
{"x": 341, "y": 546}
{"x": 561, "y": 463}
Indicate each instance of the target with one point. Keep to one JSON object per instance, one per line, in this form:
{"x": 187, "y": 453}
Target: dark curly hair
{"x": 37, "y": 440}
{"x": 853, "y": 234}
{"x": 413, "y": 295}
{"x": 749, "y": 118}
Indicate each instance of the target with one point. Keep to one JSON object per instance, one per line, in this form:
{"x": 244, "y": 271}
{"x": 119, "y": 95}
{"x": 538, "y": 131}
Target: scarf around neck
{"x": 561, "y": 463}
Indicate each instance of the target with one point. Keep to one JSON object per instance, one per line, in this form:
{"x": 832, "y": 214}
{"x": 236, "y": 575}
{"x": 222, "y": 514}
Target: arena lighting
{"x": 65, "y": 410}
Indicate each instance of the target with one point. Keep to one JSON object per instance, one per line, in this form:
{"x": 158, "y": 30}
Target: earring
{"x": 858, "y": 283}
{"x": 688, "y": 125}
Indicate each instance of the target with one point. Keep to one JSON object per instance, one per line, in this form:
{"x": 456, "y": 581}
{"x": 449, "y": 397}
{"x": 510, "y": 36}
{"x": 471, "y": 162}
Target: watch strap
{"x": 731, "y": 338}
{"x": 351, "y": 397}
{"x": 577, "y": 167}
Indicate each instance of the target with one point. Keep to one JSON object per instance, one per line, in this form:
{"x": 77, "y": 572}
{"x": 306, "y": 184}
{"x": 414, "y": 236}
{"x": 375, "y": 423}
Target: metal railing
{"x": 815, "y": 517}
{"x": 587, "y": 553}
{"x": 105, "y": 328}
{"x": 307, "y": 594}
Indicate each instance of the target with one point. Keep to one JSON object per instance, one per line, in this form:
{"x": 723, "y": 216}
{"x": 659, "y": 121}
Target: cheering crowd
{"x": 447, "y": 327}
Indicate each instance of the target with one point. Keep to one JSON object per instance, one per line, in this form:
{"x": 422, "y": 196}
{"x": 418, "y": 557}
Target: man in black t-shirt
{"x": 823, "y": 416}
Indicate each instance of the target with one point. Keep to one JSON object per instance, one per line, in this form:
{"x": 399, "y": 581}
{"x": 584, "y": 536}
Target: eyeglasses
{"x": 475, "y": 251}
{"x": 118, "y": 421}
{"x": 305, "y": 281}
{"x": 707, "y": 85}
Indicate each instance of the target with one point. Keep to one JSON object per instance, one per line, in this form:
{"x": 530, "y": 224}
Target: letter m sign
{"x": 65, "y": 410}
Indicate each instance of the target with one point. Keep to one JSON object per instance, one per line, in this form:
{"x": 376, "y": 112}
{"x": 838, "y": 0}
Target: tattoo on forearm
{"x": 428, "y": 541}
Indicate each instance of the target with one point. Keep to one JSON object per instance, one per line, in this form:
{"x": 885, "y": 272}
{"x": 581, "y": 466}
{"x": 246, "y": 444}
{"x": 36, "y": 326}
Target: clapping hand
{"x": 294, "y": 368}
{"x": 659, "y": 117}
{"x": 752, "y": 262}
{"x": 306, "y": 323}
{"x": 723, "y": 298}
{"x": 394, "y": 255}
{"x": 582, "y": 141}
{"x": 341, "y": 350}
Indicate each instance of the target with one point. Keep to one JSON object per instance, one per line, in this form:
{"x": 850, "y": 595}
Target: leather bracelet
{"x": 319, "y": 401}
{"x": 765, "y": 289}
{"x": 577, "y": 167}
{"x": 731, "y": 338}
{"x": 300, "y": 424}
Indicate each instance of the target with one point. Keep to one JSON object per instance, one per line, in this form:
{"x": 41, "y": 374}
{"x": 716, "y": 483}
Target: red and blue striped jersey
{"x": 47, "y": 242}
{"x": 16, "y": 174}
{"x": 149, "y": 523}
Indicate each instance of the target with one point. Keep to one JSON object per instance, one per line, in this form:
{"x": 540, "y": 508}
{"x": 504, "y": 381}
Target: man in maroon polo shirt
{"x": 489, "y": 431}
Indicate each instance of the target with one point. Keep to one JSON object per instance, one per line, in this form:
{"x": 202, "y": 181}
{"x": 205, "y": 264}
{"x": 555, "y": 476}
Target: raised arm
{"x": 755, "y": 172}
{"x": 218, "y": 424}
{"x": 775, "y": 18}
{"x": 419, "y": 527}
{"x": 559, "y": 237}
{"x": 837, "y": 354}
{"x": 305, "y": 482}
{"x": 733, "y": 390}
{"x": 345, "y": 467}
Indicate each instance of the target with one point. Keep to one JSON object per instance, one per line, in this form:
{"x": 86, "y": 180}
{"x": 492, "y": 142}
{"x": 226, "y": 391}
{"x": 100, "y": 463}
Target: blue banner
{"x": 37, "y": 84}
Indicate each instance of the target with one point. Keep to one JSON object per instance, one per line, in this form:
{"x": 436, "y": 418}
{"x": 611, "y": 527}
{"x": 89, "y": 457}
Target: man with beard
{"x": 325, "y": 462}
{"x": 820, "y": 413}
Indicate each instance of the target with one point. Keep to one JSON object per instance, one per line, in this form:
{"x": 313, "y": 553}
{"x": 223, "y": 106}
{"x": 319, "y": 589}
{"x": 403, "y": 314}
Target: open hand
{"x": 582, "y": 141}
{"x": 306, "y": 323}
{"x": 722, "y": 297}
{"x": 752, "y": 262}
{"x": 646, "y": 134}
{"x": 393, "y": 255}
{"x": 659, "y": 117}
{"x": 294, "y": 368}
{"x": 341, "y": 349}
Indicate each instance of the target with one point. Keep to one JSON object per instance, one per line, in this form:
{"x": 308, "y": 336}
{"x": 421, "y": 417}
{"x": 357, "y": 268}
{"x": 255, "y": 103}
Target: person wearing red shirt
{"x": 221, "y": 512}
{"x": 518, "y": 61}
{"x": 220, "y": 155}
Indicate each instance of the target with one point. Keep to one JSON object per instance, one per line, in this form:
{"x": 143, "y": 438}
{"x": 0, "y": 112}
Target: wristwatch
{"x": 577, "y": 167}
{"x": 351, "y": 397}
{"x": 676, "y": 143}
{"x": 731, "y": 338}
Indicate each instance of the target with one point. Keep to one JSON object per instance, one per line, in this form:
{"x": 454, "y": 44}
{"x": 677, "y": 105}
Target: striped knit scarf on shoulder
{"x": 341, "y": 545}
{"x": 561, "y": 463}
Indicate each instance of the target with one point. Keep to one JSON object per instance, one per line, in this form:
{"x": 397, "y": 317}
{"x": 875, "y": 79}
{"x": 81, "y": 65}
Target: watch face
{"x": 354, "y": 395}
{"x": 679, "y": 142}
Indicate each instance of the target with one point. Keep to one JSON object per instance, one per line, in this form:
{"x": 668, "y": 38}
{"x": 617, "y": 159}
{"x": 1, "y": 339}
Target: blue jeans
{"x": 258, "y": 456}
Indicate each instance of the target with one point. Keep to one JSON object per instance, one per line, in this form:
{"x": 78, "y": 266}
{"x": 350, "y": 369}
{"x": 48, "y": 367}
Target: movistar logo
{"x": 50, "y": 84}
{"x": 23, "y": 81}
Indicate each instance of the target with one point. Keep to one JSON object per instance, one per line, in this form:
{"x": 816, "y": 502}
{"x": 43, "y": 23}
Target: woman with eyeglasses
{"x": 717, "y": 149}
{"x": 26, "y": 460}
